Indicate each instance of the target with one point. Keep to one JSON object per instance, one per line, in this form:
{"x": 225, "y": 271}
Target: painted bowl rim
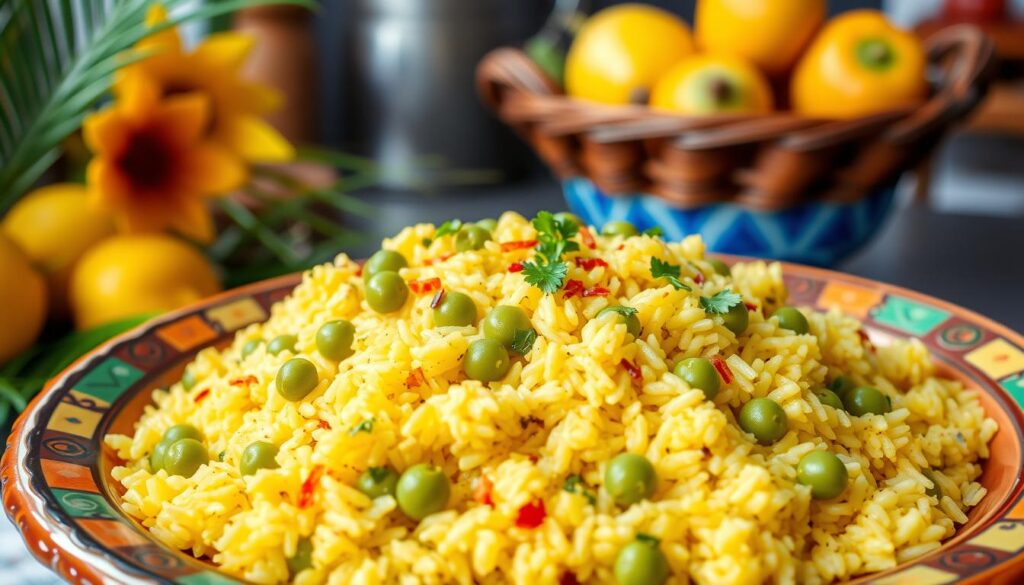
{"x": 79, "y": 558}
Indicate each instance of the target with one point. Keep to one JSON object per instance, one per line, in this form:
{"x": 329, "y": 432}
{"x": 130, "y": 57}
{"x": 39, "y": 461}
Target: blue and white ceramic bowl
{"x": 818, "y": 233}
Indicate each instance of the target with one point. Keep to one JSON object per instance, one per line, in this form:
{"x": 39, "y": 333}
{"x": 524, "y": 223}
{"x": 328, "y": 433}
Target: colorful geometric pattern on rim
{"x": 818, "y": 233}
{"x": 54, "y": 484}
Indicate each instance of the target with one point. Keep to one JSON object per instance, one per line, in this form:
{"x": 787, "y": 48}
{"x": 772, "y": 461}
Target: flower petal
{"x": 208, "y": 169}
{"x": 164, "y": 41}
{"x": 107, "y": 187}
{"x": 255, "y": 140}
{"x": 227, "y": 50}
{"x": 139, "y": 96}
{"x": 183, "y": 118}
{"x": 106, "y": 132}
{"x": 192, "y": 219}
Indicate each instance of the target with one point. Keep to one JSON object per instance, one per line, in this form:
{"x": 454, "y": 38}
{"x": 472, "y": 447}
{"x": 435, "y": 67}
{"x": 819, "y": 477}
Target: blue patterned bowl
{"x": 819, "y": 233}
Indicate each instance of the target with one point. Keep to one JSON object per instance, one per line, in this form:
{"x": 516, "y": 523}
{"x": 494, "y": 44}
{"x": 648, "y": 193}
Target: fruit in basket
{"x": 859, "y": 64}
{"x": 622, "y": 51}
{"x": 713, "y": 84}
{"x": 771, "y": 34}
{"x": 22, "y": 301}
{"x": 128, "y": 275}
{"x": 54, "y": 226}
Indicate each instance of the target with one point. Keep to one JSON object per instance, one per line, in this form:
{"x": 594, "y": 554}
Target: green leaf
{"x": 364, "y": 427}
{"x": 668, "y": 271}
{"x": 548, "y": 277}
{"x": 448, "y": 228}
{"x": 522, "y": 341}
{"x": 574, "y": 485}
{"x": 653, "y": 231}
{"x": 58, "y": 59}
{"x": 621, "y": 310}
{"x": 721, "y": 302}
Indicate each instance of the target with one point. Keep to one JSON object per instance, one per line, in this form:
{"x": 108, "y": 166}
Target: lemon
{"x": 713, "y": 84}
{"x": 621, "y": 52}
{"x": 22, "y": 301}
{"x": 126, "y": 275}
{"x": 54, "y": 226}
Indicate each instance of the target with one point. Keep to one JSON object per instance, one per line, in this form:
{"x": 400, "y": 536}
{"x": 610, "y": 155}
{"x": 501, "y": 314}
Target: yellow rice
{"x": 726, "y": 510}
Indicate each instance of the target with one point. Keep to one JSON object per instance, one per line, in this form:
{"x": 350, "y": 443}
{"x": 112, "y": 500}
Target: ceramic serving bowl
{"x": 814, "y": 232}
{"x": 56, "y": 471}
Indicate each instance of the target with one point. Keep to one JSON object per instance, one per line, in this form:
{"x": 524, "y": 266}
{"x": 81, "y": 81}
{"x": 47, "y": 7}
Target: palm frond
{"x": 58, "y": 58}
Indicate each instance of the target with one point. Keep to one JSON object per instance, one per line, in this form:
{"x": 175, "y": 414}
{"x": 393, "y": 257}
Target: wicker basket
{"x": 768, "y": 162}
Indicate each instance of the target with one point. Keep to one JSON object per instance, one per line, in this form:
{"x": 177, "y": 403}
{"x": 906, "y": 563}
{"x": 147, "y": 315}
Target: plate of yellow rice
{"x": 529, "y": 401}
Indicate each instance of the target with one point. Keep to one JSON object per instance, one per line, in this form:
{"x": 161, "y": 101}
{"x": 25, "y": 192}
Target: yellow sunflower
{"x": 154, "y": 165}
{"x": 213, "y": 69}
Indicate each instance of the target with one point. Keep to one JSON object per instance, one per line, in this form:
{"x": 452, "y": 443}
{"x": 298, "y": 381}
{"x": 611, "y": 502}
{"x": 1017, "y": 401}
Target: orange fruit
{"x": 771, "y": 34}
{"x": 22, "y": 301}
{"x": 54, "y": 226}
{"x": 713, "y": 84}
{"x": 127, "y": 275}
{"x": 620, "y": 52}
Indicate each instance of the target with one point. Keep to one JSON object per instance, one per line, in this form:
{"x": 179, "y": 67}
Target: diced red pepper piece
{"x": 587, "y": 237}
{"x": 865, "y": 339}
{"x": 518, "y": 245}
{"x": 698, "y": 278}
{"x": 515, "y": 267}
{"x": 244, "y": 381}
{"x": 723, "y": 369}
{"x": 633, "y": 369}
{"x": 750, "y": 306}
{"x": 441, "y": 258}
{"x": 573, "y": 288}
{"x": 568, "y": 578}
{"x": 590, "y": 263}
{"x": 308, "y": 489}
{"x": 596, "y": 291}
{"x": 438, "y": 299}
{"x": 415, "y": 379}
{"x": 483, "y": 493}
{"x": 324, "y": 425}
{"x": 428, "y": 285}
{"x": 359, "y": 270}
{"x": 201, "y": 395}
{"x": 531, "y": 515}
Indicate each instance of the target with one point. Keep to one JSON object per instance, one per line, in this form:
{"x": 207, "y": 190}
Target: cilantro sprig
{"x": 522, "y": 341}
{"x": 574, "y": 485}
{"x": 668, "y": 271}
{"x": 720, "y": 302}
{"x": 621, "y": 310}
{"x": 452, "y": 226}
{"x": 547, "y": 270}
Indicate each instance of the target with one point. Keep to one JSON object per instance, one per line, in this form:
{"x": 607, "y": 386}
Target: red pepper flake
{"x": 424, "y": 286}
{"x": 531, "y": 515}
{"x": 441, "y": 258}
{"x": 596, "y": 291}
{"x": 515, "y": 267}
{"x": 437, "y": 300}
{"x": 698, "y": 279}
{"x": 750, "y": 307}
{"x": 309, "y": 487}
{"x": 415, "y": 379}
{"x": 723, "y": 369}
{"x": 621, "y": 247}
{"x": 359, "y": 270}
{"x": 244, "y": 381}
{"x": 588, "y": 238}
{"x": 201, "y": 395}
{"x": 865, "y": 339}
{"x": 518, "y": 245}
{"x": 568, "y": 578}
{"x": 590, "y": 263}
{"x": 483, "y": 493}
{"x": 573, "y": 288}
{"x": 633, "y": 369}
{"x": 324, "y": 425}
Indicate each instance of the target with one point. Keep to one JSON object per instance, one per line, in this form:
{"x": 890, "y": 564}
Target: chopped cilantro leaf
{"x": 721, "y": 302}
{"x": 624, "y": 311}
{"x": 364, "y": 427}
{"x": 379, "y": 474}
{"x": 668, "y": 271}
{"x": 522, "y": 341}
{"x": 447, "y": 228}
{"x": 547, "y": 276}
{"x": 574, "y": 485}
